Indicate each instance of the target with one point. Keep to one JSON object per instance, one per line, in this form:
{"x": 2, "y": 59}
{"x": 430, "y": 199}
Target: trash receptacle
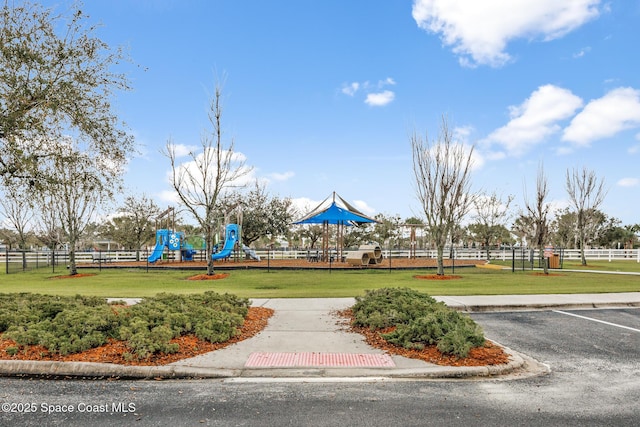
{"x": 554, "y": 261}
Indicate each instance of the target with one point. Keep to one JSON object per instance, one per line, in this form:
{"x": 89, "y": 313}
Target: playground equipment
{"x": 230, "y": 239}
{"x": 168, "y": 238}
{"x": 365, "y": 255}
{"x": 252, "y": 254}
{"x": 231, "y": 236}
{"x": 174, "y": 241}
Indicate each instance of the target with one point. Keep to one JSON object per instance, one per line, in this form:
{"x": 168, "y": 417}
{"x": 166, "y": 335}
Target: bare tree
{"x": 538, "y": 212}
{"x": 443, "y": 179}
{"x": 586, "y": 193}
{"x": 200, "y": 182}
{"x": 491, "y": 213}
{"x": 17, "y": 209}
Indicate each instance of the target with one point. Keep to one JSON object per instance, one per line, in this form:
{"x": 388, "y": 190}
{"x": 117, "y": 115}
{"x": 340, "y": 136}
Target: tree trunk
{"x": 73, "y": 269}
{"x": 209, "y": 252}
{"x": 440, "y": 258}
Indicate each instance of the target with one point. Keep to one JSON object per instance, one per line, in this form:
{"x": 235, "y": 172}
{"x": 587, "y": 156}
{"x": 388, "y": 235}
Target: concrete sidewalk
{"x": 305, "y": 339}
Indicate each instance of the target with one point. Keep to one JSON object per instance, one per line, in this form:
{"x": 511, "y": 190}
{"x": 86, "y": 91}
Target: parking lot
{"x": 594, "y": 380}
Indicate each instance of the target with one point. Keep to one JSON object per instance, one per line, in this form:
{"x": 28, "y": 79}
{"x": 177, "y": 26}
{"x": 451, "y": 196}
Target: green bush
{"x": 419, "y": 320}
{"x": 144, "y": 339}
{"x": 73, "y": 324}
{"x": 386, "y": 307}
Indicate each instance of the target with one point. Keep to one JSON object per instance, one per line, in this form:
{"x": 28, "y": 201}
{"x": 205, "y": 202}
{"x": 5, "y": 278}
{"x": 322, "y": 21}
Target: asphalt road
{"x": 594, "y": 381}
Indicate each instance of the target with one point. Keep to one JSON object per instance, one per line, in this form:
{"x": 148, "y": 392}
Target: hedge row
{"x": 66, "y": 325}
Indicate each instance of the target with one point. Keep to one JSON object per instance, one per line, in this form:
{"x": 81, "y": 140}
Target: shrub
{"x": 386, "y": 307}
{"x": 145, "y": 339}
{"x": 419, "y": 320}
{"x": 72, "y": 324}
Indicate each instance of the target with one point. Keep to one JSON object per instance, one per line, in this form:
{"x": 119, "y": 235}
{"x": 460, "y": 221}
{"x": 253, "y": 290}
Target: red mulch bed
{"x": 75, "y": 276}
{"x": 256, "y": 321}
{"x": 209, "y": 277}
{"x": 489, "y": 354}
{"x": 113, "y": 351}
{"x": 437, "y": 277}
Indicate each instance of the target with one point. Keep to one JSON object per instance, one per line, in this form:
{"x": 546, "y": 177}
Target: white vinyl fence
{"x": 14, "y": 261}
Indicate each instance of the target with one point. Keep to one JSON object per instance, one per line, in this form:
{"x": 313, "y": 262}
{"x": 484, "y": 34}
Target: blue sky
{"x": 323, "y": 95}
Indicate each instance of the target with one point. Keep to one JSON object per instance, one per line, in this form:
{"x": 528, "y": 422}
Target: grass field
{"x": 323, "y": 284}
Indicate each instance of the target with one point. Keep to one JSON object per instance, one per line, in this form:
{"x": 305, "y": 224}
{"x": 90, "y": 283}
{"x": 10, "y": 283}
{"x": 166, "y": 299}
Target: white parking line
{"x": 596, "y": 320}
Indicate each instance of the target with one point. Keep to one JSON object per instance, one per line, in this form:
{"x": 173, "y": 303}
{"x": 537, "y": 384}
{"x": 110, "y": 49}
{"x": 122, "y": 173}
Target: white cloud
{"x": 281, "y": 176}
{"x": 604, "y": 117}
{"x": 303, "y": 205}
{"x": 535, "y": 119}
{"x": 479, "y": 31}
{"x": 380, "y": 99}
{"x": 191, "y": 171}
{"x": 363, "y": 207}
{"x": 386, "y": 82}
{"x": 375, "y": 95}
{"x": 582, "y": 52}
{"x": 629, "y": 182}
{"x": 182, "y": 150}
{"x": 169, "y": 196}
{"x": 350, "y": 89}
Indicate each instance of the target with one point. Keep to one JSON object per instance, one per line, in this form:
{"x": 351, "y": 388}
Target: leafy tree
{"x": 523, "y": 227}
{"x": 387, "y": 230}
{"x": 311, "y": 232}
{"x": 489, "y": 236}
{"x": 17, "y": 209}
{"x": 200, "y": 182}
{"x": 263, "y": 215}
{"x": 586, "y": 193}
{"x": 442, "y": 171}
{"x": 133, "y": 226}
{"x": 357, "y": 235}
{"x": 56, "y": 79}
{"x": 80, "y": 184}
{"x": 563, "y": 229}
{"x": 9, "y": 237}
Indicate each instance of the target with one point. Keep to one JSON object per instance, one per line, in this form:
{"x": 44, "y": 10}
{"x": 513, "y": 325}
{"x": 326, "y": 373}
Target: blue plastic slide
{"x": 231, "y": 237}
{"x": 162, "y": 239}
{"x": 156, "y": 254}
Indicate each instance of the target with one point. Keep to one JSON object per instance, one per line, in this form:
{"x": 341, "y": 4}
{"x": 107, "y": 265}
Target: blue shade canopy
{"x": 335, "y": 210}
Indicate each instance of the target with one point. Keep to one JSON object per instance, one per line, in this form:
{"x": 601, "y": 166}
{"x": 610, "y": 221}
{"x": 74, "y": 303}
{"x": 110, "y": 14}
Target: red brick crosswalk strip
{"x": 306, "y": 359}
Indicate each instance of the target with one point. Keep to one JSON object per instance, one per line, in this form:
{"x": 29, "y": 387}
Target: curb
{"x": 91, "y": 370}
{"x": 536, "y": 307}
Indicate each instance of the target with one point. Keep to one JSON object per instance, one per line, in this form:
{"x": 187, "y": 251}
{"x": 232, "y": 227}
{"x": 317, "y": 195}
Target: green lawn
{"x": 313, "y": 283}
